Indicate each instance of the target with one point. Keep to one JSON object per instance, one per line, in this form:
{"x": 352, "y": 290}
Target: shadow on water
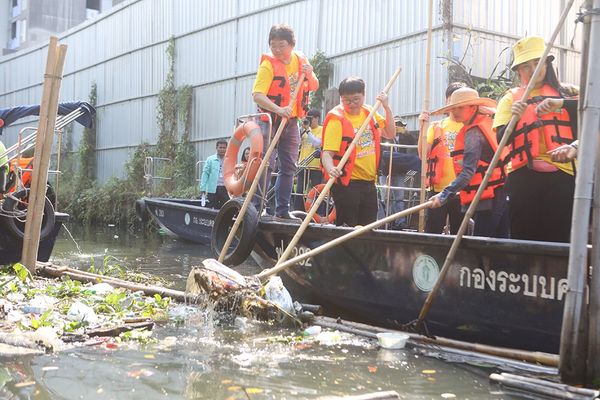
{"x": 197, "y": 356}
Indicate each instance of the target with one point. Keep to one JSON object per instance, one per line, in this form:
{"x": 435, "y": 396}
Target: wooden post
{"x": 590, "y": 129}
{"x": 574, "y": 332}
{"x": 43, "y": 149}
{"x": 425, "y": 125}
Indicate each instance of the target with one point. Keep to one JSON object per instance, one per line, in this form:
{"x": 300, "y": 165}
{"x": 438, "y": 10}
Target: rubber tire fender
{"x": 141, "y": 210}
{"x": 17, "y": 227}
{"x": 245, "y": 238}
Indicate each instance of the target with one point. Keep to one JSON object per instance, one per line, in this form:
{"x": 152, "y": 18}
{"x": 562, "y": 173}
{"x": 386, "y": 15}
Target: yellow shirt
{"x": 451, "y": 129}
{"x": 264, "y": 77}
{"x": 503, "y": 116}
{"x": 364, "y": 163}
{"x": 307, "y": 148}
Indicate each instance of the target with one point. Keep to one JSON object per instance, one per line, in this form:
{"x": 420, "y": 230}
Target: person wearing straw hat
{"x": 354, "y": 191}
{"x": 275, "y": 84}
{"x": 547, "y": 121}
{"x": 441, "y": 137}
{"x": 473, "y": 150}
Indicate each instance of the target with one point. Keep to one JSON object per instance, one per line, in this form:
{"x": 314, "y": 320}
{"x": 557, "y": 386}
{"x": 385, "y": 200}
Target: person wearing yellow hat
{"x": 547, "y": 121}
{"x": 474, "y": 148}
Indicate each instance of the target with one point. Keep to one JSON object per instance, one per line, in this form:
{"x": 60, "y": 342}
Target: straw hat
{"x": 528, "y": 48}
{"x": 465, "y": 97}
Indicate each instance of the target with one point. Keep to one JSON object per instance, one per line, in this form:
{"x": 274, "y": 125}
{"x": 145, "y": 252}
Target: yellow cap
{"x": 528, "y": 48}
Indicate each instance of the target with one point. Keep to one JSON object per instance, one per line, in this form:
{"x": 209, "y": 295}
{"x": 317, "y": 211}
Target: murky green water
{"x": 205, "y": 358}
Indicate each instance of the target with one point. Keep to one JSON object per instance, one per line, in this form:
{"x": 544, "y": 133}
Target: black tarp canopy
{"x": 12, "y": 114}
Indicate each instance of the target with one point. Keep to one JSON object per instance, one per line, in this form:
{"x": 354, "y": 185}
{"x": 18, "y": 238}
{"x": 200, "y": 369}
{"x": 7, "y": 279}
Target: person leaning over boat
{"x": 354, "y": 192}
{"x": 474, "y": 148}
{"x": 211, "y": 182}
{"x": 441, "y": 137}
{"x": 275, "y": 84}
{"x": 309, "y": 157}
{"x": 3, "y": 167}
{"x": 540, "y": 189}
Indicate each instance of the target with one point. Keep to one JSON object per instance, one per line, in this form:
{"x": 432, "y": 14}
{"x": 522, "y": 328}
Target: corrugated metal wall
{"x": 218, "y": 44}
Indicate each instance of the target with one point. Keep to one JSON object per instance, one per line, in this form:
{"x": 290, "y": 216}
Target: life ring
{"x": 16, "y": 204}
{"x": 236, "y": 185}
{"x": 310, "y": 199}
{"x": 245, "y": 237}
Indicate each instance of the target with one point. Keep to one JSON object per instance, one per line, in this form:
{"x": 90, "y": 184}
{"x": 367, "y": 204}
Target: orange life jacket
{"x": 280, "y": 91}
{"x": 484, "y": 123}
{"x": 438, "y": 153}
{"x": 554, "y": 126}
{"x": 25, "y": 163}
{"x": 337, "y": 113}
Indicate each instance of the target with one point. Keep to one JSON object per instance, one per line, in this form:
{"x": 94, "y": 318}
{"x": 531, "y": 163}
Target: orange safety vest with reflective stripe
{"x": 484, "y": 123}
{"x": 337, "y": 113}
{"x": 436, "y": 157}
{"x": 554, "y": 126}
{"x": 24, "y": 164}
{"x": 280, "y": 91}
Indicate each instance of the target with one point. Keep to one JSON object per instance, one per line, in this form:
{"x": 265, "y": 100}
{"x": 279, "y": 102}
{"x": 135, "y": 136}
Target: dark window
{"x": 15, "y": 3}
{"x": 13, "y": 30}
{"x": 92, "y": 4}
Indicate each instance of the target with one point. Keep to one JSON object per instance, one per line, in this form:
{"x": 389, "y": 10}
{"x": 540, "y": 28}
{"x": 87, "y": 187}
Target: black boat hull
{"x": 11, "y": 247}
{"x": 500, "y": 292}
{"x": 183, "y": 218}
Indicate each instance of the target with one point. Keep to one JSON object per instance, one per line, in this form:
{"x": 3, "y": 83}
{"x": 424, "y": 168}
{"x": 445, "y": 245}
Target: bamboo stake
{"x": 425, "y": 125}
{"x": 331, "y": 180}
{"x": 43, "y": 149}
{"x": 356, "y": 232}
{"x": 259, "y": 173}
{"x": 574, "y": 334}
{"x": 493, "y": 163}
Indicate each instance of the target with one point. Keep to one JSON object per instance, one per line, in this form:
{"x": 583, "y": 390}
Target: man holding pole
{"x": 473, "y": 150}
{"x": 275, "y": 85}
{"x": 354, "y": 191}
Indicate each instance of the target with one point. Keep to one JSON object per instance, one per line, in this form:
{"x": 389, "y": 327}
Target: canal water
{"x": 200, "y": 356}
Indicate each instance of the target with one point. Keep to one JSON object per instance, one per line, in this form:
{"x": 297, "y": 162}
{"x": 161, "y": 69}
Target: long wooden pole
{"x": 43, "y": 149}
{"x": 259, "y": 173}
{"x": 331, "y": 180}
{"x": 424, "y": 125}
{"x": 344, "y": 238}
{"x": 488, "y": 174}
{"x": 574, "y": 334}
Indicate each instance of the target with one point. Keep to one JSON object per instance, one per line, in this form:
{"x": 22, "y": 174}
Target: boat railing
{"x": 408, "y": 193}
{"x": 199, "y": 168}
{"x": 151, "y": 166}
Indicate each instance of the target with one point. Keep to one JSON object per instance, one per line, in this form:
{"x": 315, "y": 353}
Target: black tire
{"x": 16, "y": 226}
{"x": 244, "y": 240}
{"x": 141, "y": 210}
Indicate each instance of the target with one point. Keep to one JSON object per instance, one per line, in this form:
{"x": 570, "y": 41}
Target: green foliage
{"x": 44, "y": 320}
{"x": 323, "y": 68}
{"x": 22, "y": 272}
{"x": 87, "y": 150}
{"x": 166, "y": 115}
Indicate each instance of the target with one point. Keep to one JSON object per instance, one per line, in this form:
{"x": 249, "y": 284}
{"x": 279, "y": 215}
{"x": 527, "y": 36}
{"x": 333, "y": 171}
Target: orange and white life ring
{"x": 310, "y": 199}
{"x": 237, "y": 184}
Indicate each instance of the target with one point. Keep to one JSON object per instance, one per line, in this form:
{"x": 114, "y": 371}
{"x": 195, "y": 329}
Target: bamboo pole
{"x": 259, "y": 173}
{"x": 471, "y": 210}
{"x": 535, "y": 357}
{"x": 539, "y": 387}
{"x": 327, "y": 187}
{"x": 43, "y": 149}
{"x": 578, "y": 335}
{"x": 424, "y": 125}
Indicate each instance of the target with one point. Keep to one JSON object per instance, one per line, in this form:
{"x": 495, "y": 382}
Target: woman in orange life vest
{"x": 354, "y": 191}
{"x": 540, "y": 189}
{"x": 276, "y": 81}
{"x": 473, "y": 150}
{"x": 441, "y": 137}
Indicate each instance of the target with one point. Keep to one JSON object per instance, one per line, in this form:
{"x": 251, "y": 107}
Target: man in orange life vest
{"x": 275, "y": 84}
{"x": 354, "y": 191}
{"x": 473, "y": 150}
{"x": 441, "y": 137}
